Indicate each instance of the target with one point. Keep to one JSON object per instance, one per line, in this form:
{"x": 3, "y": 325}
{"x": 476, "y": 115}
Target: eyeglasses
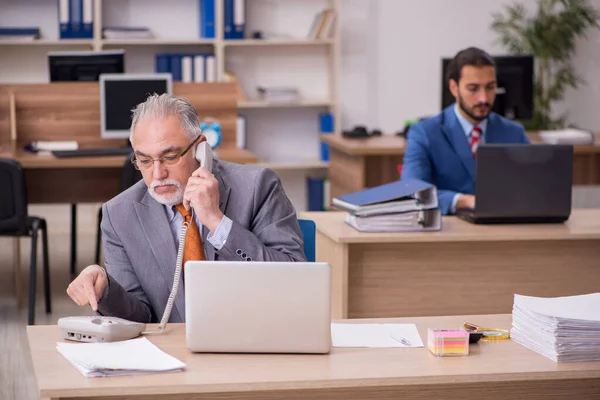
{"x": 145, "y": 163}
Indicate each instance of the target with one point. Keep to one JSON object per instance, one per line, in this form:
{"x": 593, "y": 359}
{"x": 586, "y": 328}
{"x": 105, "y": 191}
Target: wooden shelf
{"x": 265, "y": 104}
{"x": 296, "y": 166}
{"x": 277, "y": 42}
{"x": 47, "y": 42}
{"x": 156, "y": 42}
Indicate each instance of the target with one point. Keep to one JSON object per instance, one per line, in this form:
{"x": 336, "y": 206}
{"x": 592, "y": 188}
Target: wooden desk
{"x": 493, "y": 370}
{"x": 463, "y": 269}
{"x": 357, "y": 164}
{"x": 51, "y": 179}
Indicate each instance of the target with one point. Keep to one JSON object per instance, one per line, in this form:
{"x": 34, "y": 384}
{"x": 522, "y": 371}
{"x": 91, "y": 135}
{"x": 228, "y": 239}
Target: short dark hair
{"x": 470, "y": 56}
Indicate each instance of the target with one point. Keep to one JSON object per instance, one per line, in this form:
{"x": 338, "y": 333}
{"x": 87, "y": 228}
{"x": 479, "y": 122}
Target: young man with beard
{"x": 442, "y": 149}
{"x": 240, "y": 213}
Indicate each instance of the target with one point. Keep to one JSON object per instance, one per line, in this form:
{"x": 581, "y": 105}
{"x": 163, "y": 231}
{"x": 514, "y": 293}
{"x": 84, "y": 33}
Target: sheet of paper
{"x": 375, "y": 335}
{"x": 127, "y": 357}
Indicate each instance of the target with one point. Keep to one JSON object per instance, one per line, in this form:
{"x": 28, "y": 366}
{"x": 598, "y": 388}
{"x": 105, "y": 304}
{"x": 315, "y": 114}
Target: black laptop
{"x": 522, "y": 183}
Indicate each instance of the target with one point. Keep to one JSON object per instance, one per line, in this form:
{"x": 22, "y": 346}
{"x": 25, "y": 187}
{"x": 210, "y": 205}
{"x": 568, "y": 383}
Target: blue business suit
{"x": 438, "y": 152}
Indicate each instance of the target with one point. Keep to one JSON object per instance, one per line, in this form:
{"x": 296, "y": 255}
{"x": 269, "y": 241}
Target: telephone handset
{"x": 204, "y": 155}
{"x": 110, "y": 329}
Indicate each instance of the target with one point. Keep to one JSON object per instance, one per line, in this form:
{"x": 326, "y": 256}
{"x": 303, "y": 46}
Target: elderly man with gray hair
{"x": 240, "y": 213}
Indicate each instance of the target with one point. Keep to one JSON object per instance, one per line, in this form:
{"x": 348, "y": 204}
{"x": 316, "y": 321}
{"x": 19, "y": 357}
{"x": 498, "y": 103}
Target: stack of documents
{"x": 128, "y": 357}
{"x": 401, "y": 206}
{"x": 563, "y": 329}
{"x": 127, "y": 32}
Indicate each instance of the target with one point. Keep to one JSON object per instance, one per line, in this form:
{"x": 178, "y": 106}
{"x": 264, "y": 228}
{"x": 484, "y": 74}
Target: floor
{"x": 16, "y": 372}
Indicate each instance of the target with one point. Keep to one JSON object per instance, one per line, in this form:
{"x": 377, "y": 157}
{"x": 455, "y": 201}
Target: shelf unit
{"x": 257, "y": 112}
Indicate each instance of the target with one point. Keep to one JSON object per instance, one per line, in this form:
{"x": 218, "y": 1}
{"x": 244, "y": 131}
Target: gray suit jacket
{"x": 140, "y": 250}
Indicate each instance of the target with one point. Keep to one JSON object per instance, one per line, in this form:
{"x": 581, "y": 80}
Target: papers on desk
{"x": 567, "y": 136}
{"x": 48, "y": 146}
{"x": 563, "y": 329}
{"x": 129, "y": 357}
{"x": 375, "y": 335}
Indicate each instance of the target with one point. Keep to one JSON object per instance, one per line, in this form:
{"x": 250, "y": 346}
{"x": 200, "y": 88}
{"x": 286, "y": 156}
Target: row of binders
{"x": 188, "y": 67}
{"x": 234, "y": 19}
{"x": 400, "y": 206}
{"x": 76, "y": 19}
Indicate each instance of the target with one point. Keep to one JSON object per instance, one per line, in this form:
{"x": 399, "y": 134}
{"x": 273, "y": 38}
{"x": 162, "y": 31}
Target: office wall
{"x": 392, "y": 50}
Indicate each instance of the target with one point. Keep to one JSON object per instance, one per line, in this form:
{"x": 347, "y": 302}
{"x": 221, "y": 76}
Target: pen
{"x": 402, "y": 340}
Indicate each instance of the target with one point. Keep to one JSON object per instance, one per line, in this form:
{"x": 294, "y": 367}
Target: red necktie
{"x": 475, "y": 136}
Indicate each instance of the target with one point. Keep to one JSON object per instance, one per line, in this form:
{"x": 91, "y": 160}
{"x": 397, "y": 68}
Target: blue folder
{"x": 207, "y": 19}
{"x": 394, "y": 197}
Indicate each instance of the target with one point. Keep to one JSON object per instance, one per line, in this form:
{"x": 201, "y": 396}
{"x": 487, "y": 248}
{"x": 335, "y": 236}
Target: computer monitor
{"x": 121, "y": 93}
{"x": 84, "y": 65}
{"x": 514, "y": 97}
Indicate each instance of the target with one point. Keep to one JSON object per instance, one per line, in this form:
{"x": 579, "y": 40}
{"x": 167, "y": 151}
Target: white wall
{"x": 390, "y": 67}
{"x": 392, "y": 50}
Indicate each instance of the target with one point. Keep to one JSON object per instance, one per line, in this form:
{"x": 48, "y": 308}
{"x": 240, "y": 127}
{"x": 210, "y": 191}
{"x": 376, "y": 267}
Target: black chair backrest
{"x": 129, "y": 175}
{"x": 13, "y": 197}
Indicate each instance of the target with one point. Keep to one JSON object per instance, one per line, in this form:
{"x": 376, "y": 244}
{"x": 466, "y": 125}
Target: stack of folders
{"x": 563, "y": 329}
{"x": 400, "y": 206}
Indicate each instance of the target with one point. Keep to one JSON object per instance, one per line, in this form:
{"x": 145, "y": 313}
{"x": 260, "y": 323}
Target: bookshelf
{"x": 285, "y": 136}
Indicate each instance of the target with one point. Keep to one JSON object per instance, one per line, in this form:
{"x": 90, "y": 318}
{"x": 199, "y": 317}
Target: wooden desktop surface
{"x": 35, "y": 161}
{"x": 395, "y": 145}
{"x": 493, "y": 370}
{"x": 582, "y": 224}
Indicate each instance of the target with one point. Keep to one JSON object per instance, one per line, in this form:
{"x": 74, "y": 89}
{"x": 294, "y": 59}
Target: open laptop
{"x": 258, "y": 307}
{"x": 522, "y": 183}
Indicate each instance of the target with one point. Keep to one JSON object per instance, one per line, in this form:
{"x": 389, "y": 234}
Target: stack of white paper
{"x": 129, "y": 357}
{"x": 563, "y": 329}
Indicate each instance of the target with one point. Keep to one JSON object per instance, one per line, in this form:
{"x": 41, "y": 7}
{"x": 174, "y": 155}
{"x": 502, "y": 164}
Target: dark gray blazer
{"x": 140, "y": 250}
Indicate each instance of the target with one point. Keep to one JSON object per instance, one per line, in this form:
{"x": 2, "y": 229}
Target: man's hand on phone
{"x": 202, "y": 194}
{"x": 88, "y": 286}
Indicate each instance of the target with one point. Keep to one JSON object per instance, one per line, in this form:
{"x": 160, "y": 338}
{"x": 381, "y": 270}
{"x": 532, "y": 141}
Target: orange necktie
{"x": 193, "y": 241}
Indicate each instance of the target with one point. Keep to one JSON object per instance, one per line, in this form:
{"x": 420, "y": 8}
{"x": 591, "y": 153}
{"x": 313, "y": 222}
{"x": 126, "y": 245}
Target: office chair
{"x": 129, "y": 177}
{"x": 309, "y": 229}
{"x": 15, "y": 222}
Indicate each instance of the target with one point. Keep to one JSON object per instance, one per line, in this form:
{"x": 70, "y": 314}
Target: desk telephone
{"x": 110, "y": 329}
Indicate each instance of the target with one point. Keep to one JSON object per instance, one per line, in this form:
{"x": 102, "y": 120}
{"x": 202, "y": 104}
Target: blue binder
{"x": 239, "y": 19}
{"x": 228, "y": 31}
{"x": 87, "y": 19}
{"x": 326, "y": 127}
{"x": 207, "y": 18}
{"x": 315, "y": 188}
{"x": 16, "y": 32}
{"x": 176, "y": 67}
{"x": 163, "y": 63}
{"x": 64, "y": 12}
{"x": 397, "y": 196}
{"x": 76, "y": 17}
